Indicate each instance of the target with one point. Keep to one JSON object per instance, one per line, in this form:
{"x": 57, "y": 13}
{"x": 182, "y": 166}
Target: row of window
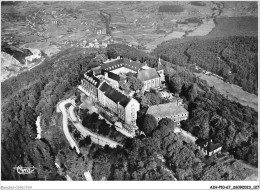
{"x": 152, "y": 83}
{"x": 111, "y": 105}
{"x": 179, "y": 117}
{"x": 90, "y": 88}
{"x": 121, "y": 65}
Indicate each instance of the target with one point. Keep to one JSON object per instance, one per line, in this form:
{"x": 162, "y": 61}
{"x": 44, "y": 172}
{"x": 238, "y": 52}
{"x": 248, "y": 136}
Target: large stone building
{"x": 173, "y": 110}
{"x": 89, "y": 85}
{"x": 116, "y": 70}
{"x": 149, "y": 77}
{"x": 101, "y": 84}
{"x": 123, "y": 106}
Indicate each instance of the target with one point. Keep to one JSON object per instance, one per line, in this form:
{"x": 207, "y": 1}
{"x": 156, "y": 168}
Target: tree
{"x": 104, "y": 128}
{"x": 76, "y": 134}
{"x": 150, "y": 99}
{"x": 111, "y": 53}
{"x": 192, "y": 92}
{"x": 118, "y": 175}
{"x": 75, "y": 165}
{"x": 135, "y": 84}
{"x": 124, "y": 86}
{"x": 175, "y": 84}
{"x": 85, "y": 142}
{"x": 39, "y": 155}
{"x": 204, "y": 130}
{"x": 150, "y": 123}
{"x": 101, "y": 165}
{"x": 167, "y": 122}
{"x": 252, "y": 156}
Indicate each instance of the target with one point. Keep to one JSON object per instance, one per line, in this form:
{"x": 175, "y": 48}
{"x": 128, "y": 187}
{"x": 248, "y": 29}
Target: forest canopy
{"x": 160, "y": 155}
{"x": 234, "y": 58}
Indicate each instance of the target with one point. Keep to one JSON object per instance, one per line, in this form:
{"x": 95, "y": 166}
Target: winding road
{"x": 62, "y": 109}
{"x": 70, "y": 114}
{"x": 85, "y": 132}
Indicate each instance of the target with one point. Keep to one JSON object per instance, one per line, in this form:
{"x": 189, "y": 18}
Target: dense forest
{"x": 158, "y": 155}
{"x": 234, "y": 58}
{"x": 212, "y": 116}
{"x": 34, "y": 93}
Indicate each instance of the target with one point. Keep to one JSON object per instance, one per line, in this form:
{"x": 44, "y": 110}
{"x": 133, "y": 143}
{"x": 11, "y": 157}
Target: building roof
{"x": 113, "y": 76}
{"x": 145, "y": 67}
{"x": 164, "y": 110}
{"x": 114, "y": 95}
{"x": 208, "y": 144}
{"x": 147, "y": 74}
{"x": 92, "y": 79}
{"x": 96, "y": 70}
{"x": 133, "y": 65}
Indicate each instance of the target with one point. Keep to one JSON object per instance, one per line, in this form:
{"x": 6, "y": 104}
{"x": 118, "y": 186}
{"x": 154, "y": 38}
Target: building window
{"x": 148, "y": 84}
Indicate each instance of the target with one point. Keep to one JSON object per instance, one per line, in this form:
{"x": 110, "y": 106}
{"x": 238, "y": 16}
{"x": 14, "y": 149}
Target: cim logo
{"x": 24, "y": 170}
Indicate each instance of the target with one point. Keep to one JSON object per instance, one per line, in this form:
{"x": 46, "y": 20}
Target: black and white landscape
{"x": 133, "y": 91}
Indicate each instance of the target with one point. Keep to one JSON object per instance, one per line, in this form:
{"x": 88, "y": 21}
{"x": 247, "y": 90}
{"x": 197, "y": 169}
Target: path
{"x": 188, "y": 135}
{"x": 61, "y": 108}
{"x": 38, "y": 124}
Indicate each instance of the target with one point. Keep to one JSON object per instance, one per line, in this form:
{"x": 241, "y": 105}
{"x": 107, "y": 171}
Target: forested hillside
{"x": 30, "y": 94}
{"x": 235, "y": 58}
{"x": 161, "y": 155}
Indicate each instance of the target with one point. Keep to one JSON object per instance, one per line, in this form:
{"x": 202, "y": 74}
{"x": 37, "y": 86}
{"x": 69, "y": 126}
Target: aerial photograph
{"x": 129, "y": 91}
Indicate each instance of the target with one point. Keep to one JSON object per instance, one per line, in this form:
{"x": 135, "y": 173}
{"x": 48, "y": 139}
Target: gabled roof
{"x": 114, "y": 95}
{"x": 133, "y": 65}
{"x": 112, "y": 65}
{"x": 208, "y": 144}
{"x": 147, "y": 74}
{"x": 104, "y": 87}
{"x": 165, "y": 110}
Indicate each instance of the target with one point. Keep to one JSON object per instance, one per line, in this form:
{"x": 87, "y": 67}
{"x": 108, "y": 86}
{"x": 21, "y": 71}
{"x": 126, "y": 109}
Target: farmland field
{"x": 55, "y": 26}
{"x": 228, "y": 26}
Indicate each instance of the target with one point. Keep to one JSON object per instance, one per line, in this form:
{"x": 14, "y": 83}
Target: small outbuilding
{"x": 208, "y": 147}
